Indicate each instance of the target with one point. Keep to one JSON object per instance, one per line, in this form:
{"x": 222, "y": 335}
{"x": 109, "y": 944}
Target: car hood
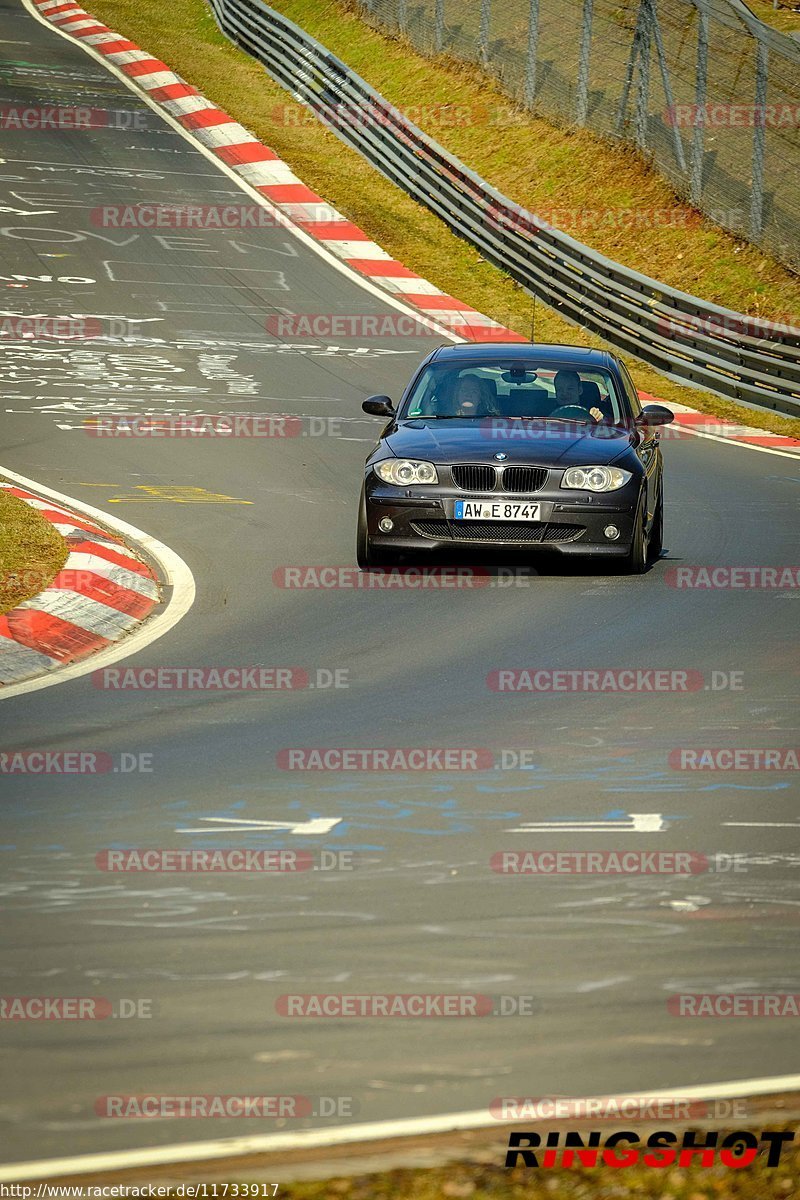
{"x": 544, "y": 443}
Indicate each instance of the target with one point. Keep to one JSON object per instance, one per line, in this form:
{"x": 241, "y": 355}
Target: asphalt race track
{"x": 595, "y": 959}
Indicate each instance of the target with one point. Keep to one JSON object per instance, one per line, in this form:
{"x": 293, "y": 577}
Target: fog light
{"x": 386, "y": 525}
{"x": 611, "y": 532}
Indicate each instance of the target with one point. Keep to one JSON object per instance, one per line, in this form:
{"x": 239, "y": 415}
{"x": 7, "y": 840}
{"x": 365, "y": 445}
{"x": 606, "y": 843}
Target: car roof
{"x": 531, "y": 352}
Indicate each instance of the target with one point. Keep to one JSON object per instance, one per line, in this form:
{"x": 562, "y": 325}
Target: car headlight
{"x": 595, "y": 479}
{"x": 405, "y": 471}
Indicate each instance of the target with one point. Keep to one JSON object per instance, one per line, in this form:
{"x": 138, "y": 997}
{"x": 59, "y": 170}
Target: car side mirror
{"x": 378, "y": 406}
{"x": 655, "y": 414}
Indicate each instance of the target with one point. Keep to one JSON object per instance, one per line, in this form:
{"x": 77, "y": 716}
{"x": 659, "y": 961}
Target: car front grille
{"x": 473, "y": 477}
{"x": 479, "y": 477}
{"x": 523, "y": 479}
{"x": 497, "y": 531}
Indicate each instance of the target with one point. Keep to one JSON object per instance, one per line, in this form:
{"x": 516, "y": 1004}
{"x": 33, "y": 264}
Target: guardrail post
{"x": 533, "y": 50}
{"x": 438, "y": 27}
{"x": 582, "y": 102}
{"x": 759, "y": 140}
{"x": 483, "y": 34}
{"x": 402, "y": 15}
{"x": 700, "y": 92}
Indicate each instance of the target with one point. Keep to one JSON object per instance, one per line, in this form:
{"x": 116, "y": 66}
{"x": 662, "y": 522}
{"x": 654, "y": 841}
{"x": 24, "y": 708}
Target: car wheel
{"x": 656, "y": 544}
{"x": 636, "y": 560}
{"x": 367, "y": 556}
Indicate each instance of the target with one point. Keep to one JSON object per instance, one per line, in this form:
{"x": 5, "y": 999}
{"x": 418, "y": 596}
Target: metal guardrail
{"x": 682, "y": 336}
{"x": 706, "y": 92}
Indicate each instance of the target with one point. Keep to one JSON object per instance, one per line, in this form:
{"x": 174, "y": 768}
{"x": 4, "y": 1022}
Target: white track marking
{"x": 301, "y": 235}
{"x": 280, "y": 217}
{"x": 174, "y": 572}
{"x": 761, "y": 824}
{"x": 315, "y": 825}
{"x": 634, "y": 823}
{"x": 306, "y": 1139}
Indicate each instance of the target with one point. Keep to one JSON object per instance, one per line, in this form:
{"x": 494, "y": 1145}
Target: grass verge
{"x": 529, "y": 160}
{"x": 785, "y": 18}
{"x": 32, "y": 552}
{"x": 482, "y": 1177}
{"x": 482, "y": 1182}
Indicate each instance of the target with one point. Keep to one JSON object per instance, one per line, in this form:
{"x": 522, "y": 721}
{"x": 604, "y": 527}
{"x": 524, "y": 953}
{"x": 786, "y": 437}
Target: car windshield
{"x": 514, "y": 390}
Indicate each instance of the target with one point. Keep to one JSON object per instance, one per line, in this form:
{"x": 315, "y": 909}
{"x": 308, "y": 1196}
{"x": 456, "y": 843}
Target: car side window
{"x": 422, "y": 398}
{"x": 630, "y": 390}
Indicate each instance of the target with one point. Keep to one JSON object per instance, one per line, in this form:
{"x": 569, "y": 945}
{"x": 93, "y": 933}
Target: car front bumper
{"x": 569, "y": 522}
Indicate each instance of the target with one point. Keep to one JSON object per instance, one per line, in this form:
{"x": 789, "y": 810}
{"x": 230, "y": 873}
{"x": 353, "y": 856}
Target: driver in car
{"x": 568, "y": 392}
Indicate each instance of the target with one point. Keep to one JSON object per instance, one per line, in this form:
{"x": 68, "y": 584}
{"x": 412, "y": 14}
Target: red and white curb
{"x": 102, "y": 592}
{"x": 704, "y": 425}
{"x": 66, "y": 632}
{"x": 260, "y": 168}
{"x": 263, "y": 170}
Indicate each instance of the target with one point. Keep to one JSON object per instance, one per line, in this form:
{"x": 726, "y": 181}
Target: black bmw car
{"x": 522, "y": 445}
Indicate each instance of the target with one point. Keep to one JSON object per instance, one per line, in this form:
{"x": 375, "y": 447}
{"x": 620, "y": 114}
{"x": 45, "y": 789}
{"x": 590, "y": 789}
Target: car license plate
{"x": 495, "y": 510}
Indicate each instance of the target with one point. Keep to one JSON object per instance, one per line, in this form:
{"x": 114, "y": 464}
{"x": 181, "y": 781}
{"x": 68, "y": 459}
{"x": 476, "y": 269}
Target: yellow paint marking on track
{"x": 177, "y": 495}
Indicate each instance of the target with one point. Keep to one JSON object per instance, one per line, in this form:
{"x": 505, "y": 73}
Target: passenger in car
{"x": 471, "y": 397}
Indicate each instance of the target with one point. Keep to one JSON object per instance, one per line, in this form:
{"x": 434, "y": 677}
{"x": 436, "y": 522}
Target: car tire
{"x": 656, "y": 543}
{"x": 367, "y": 556}
{"x": 636, "y": 560}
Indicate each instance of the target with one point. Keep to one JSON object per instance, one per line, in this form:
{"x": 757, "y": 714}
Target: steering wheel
{"x": 573, "y": 412}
